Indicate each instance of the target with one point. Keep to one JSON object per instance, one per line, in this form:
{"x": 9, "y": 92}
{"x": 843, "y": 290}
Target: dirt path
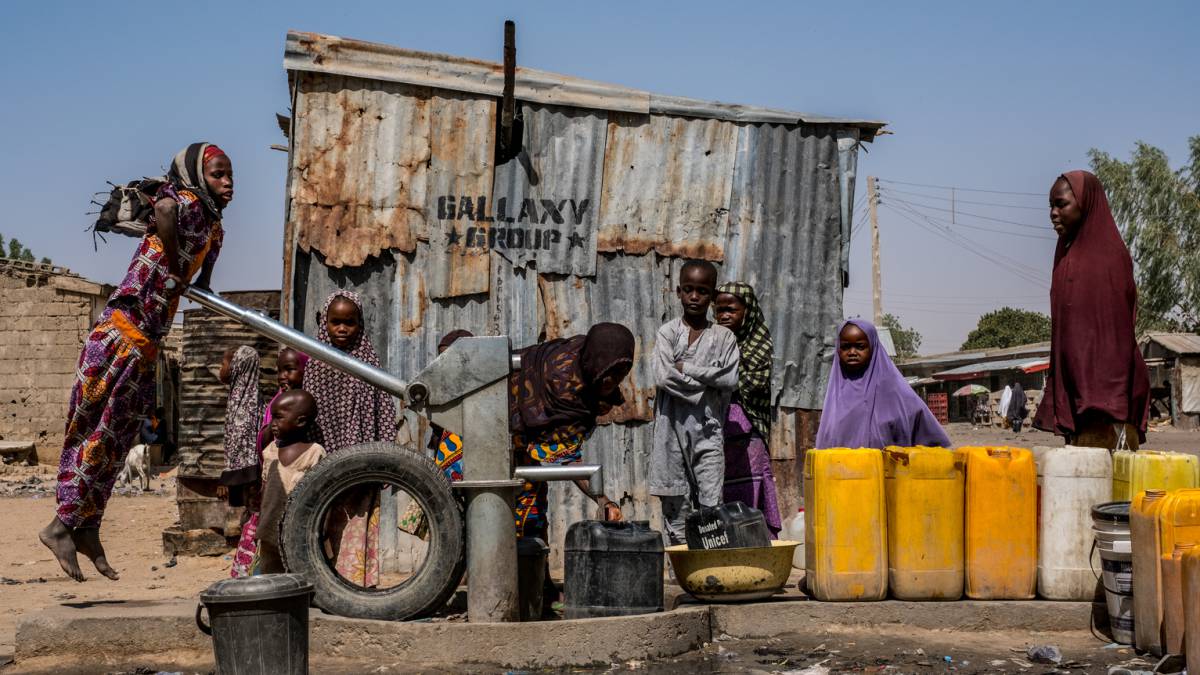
{"x": 30, "y": 579}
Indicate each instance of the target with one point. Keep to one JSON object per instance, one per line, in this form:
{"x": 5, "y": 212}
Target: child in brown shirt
{"x": 285, "y": 462}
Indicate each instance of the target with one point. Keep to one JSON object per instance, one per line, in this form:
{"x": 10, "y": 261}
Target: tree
{"x": 1158, "y": 210}
{"x": 906, "y": 340}
{"x": 1008, "y": 327}
{"x": 18, "y": 251}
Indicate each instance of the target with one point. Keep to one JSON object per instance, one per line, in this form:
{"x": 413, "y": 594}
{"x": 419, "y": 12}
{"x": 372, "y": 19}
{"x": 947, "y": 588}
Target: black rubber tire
{"x": 439, "y": 575}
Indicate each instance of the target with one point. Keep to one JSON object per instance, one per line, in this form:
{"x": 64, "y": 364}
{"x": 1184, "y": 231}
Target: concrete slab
{"x": 164, "y": 634}
{"x": 772, "y": 618}
{"x": 146, "y": 633}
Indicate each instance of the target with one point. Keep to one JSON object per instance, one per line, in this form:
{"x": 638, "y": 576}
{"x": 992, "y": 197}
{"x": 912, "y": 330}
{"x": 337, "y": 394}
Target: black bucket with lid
{"x": 258, "y": 624}
{"x": 613, "y": 569}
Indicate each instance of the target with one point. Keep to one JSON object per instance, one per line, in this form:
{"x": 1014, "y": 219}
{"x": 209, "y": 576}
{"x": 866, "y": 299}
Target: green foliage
{"x": 18, "y": 251}
{"x": 1158, "y": 210}
{"x": 906, "y": 340}
{"x": 1008, "y": 327}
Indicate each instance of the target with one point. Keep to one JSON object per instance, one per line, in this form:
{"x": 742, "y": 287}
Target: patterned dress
{"x": 114, "y": 383}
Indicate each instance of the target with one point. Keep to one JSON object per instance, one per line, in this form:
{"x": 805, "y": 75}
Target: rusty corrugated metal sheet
{"x": 785, "y": 238}
{"x": 667, "y": 185}
{"x": 559, "y": 173}
{"x": 206, "y": 336}
{"x": 359, "y": 162}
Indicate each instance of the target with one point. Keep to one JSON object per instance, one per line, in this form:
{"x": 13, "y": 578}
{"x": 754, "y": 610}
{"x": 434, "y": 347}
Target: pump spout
{"x": 264, "y": 325}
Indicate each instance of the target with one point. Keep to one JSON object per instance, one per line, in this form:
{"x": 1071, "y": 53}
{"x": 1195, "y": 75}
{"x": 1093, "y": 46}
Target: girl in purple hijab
{"x": 869, "y": 404}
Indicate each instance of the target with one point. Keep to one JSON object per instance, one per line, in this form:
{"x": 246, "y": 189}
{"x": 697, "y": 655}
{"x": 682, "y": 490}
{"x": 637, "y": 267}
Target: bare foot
{"x": 57, "y": 538}
{"x": 87, "y": 540}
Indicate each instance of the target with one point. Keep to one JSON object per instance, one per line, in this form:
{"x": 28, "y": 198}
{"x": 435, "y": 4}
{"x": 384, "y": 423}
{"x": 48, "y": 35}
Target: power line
{"x": 952, "y": 225}
{"x": 965, "y": 201}
{"x": 931, "y": 302}
{"x": 963, "y": 189}
{"x": 948, "y": 232}
{"x": 1010, "y": 267}
{"x": 958, "y": 212}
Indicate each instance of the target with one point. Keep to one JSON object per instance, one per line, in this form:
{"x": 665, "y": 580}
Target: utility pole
{"x": 876, "y": 283}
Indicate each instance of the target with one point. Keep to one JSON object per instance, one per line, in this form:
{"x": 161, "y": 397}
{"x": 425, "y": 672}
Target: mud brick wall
{"x": 44, "y": 318}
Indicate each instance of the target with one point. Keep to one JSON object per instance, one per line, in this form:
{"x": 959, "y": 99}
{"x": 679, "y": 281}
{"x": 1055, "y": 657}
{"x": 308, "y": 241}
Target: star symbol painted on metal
{"x": 453, "y": 237}
{"x": 576, "y": 240}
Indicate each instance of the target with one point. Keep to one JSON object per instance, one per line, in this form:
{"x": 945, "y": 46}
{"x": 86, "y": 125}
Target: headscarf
{"x": 1095, "y": 363}
{"x": 349, "y": 411}
{"x": 875, "y": 408}
{"x": 556, "y": 384}
{"x": 187, "y": 173}
{"x": 243, "y": 466}
{"x": 302, "y": 359}
{"x": 754, "y": 368}
{"x": 452, "y": 337}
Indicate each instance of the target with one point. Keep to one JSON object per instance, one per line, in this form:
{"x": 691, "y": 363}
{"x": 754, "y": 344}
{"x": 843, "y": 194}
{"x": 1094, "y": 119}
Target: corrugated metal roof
{"x": 1180, "y": 343}
{"x": 976, "y": 355}
{"x": 1025, "y": 364}
{"x": 332, "y": 55}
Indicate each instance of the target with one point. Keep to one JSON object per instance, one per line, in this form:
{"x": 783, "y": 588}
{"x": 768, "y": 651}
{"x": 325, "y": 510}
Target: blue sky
{"x": 1002, "y": 96}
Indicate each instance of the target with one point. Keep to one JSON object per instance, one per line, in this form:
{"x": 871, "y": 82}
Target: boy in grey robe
{"x": 695, "y": 365}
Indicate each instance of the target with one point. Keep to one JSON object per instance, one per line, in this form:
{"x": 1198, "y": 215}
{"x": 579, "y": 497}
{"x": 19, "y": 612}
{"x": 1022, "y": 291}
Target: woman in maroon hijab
{"x": 1097, "y": 390}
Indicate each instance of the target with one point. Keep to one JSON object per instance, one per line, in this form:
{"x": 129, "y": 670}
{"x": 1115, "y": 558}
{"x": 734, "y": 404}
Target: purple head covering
{"x": 875, "y": 408}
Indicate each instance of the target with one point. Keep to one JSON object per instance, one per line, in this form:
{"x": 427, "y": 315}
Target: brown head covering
{"x": 1095, "y": 363}
{"x": 452, "y": 337}
{"x": 556, "y": 384}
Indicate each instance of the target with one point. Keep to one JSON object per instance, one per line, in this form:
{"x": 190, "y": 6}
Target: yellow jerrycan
{"x": 845, "y": 524}
{"x": 1000, "y": 523}
{"x": 1179, "y": 531}
{"x": 1162, "y": 471}
{"x": 1144, "y": 535}
{"x": 1121, "y": 460}
{"x": 925, "y": 491}
{"x": 1191, "y": 608}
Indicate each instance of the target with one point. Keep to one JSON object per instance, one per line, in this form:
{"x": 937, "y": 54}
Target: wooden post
{"x": 876, "y": 282}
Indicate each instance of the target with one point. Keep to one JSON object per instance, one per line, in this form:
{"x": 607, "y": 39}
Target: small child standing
{"x": 285, "y": 462}
{"x": 696, "y": 372}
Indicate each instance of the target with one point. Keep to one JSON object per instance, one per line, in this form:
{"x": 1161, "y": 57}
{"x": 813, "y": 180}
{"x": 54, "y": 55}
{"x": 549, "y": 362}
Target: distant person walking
{"x": 1017, "y": 408}
{"x": 114, "y": 383}
{"x": 1097, "y": 390}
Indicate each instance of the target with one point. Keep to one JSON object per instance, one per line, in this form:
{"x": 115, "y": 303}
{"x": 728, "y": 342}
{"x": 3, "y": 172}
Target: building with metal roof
{"x": 397, "y": 190}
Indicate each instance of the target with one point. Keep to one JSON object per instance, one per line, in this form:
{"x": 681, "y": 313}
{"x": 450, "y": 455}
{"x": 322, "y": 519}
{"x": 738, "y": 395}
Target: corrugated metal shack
{"x": 394, "y": 191}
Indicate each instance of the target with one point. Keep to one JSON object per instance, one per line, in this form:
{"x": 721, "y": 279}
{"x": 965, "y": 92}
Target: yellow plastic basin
{"x": 733, "y": 574}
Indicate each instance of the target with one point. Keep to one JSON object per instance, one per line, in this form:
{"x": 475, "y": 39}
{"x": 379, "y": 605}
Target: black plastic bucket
{"x": 258, "y": 624}
{"x": 531, "y": 576}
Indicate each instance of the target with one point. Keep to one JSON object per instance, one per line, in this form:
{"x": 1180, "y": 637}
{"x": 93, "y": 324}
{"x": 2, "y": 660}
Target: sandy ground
{"x": 31, "y": 579}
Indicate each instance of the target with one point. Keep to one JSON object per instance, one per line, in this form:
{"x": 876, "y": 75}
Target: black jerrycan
{"x": 732, "y": 525}
{"x": 613, "y": 569}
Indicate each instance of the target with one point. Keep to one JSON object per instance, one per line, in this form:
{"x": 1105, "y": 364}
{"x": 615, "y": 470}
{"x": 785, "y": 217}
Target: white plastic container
{"x": 1071, "y": 480}
{"x": 793, "y": 530}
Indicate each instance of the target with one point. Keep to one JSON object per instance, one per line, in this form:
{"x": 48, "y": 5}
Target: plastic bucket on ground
{"x": 258, "y": 624}
{"x": 1110, "y": 525}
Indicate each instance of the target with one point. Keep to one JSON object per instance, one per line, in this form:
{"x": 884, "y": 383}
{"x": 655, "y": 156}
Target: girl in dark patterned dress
{"x": 114, "y": 384}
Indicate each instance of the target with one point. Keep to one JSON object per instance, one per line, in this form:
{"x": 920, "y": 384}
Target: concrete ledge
{"x": 161, "y": 634}
{"x": 768, "y": 619}
{"x": 138, "y": 633}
